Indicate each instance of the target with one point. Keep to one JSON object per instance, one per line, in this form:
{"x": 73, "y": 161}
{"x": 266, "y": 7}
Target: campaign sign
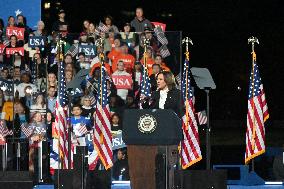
{"x": 117, "y": 142}
{"x": 11, "y": 51}
{"x": 2, "y": 47}
{"x": 157, "y": 24}
{"x": 37, "y": 41}
{"x": 19, "y": 32}
{"x": 89, "y": 50}
{"x": 122, "y": 81}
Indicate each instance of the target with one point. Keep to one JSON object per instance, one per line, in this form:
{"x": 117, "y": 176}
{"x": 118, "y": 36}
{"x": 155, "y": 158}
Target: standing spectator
{"x": 140, "y": 22}
{"x": 39, "y": 133}
{"x": 82, "y": 63}
{"x": 51, "y": 99}
{"x": 115, "y": 51}
{"x": 127, "y": 58}
{"x": 11, "y": 21}
{"x": 121, "y": 71}
{"x": 77, "y": 120}
{"x": 127, "y": 36}
{"x": 159, "y": 60}
{"x": 87, "y": 109}
{"x": 153, "y": 77}
{"x": 120, "y": 167}
{"x": 61, "y": 24}
{"x": 68, "y": 76}
{"x": 108, "y": 22}
{"x": 39, "y": 106}
{"x": 92, "y": 35}
{"x": 40, "y": 29}
{"x": 86, "y": 25}
{"x": 25, "y": 81}
{"x": 150, "y": 60}
{"x": 52, "y": 81}
{"x": 115, "y": 123}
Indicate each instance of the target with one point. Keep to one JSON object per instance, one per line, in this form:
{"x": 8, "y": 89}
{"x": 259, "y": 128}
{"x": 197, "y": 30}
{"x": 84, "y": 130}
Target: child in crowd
{"x": 77, "y": 122}
{"x": 38, "y": 133}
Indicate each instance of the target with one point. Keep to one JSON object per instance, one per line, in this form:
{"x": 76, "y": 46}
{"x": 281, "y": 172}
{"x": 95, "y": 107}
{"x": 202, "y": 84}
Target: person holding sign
{"x": 122, "y": 80}
{"x": 127, "y": 58}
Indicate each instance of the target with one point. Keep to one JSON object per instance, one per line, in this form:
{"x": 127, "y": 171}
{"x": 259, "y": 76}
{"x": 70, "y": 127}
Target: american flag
{"x": 82, "y": 129}
{"x": 164, "y": 51}
{"x": 61, "y": 115}
{"x": 256, "y": 116}
{"x": 26, "y": 130}
{"x": 190, "y": 147}
{"x": 161, "y": 35}
{"x": 202, "y": 117}
{"x": 73, "y": 50}
{"x": 145, "y": 85}
{"x": 102, "y": 134}
{"x": 103, "y": 28}
{"x": 4, "y": 131}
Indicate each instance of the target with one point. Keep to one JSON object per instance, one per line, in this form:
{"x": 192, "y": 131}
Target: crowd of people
{"x": 29, "y": 81}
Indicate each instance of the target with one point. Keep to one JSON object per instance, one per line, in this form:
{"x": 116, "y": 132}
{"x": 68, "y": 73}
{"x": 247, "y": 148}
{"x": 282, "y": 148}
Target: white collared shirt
{"x": 163, "y": 98}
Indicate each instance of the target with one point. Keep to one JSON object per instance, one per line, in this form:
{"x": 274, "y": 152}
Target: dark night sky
{"x": 219, "y": 30}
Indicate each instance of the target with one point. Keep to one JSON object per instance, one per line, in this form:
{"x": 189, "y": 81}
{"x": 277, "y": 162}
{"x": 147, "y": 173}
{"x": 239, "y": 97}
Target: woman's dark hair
{"x": 110, "y": 17}
{"x": 169, "y": 79}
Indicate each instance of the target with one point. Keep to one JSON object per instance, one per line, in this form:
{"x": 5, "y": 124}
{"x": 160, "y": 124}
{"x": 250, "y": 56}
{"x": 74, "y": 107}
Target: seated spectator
{"x": 39, "y": 106}
{"x": 140, "y": 22}
{"x": 121, "y": 71}
{"x": 127, "y": 58}
{"x": 108, "y": 22}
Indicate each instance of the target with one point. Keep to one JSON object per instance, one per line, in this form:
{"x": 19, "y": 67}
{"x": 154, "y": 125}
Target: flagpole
{"x": 146, "y": 42}
{"x": 253, "y": 40}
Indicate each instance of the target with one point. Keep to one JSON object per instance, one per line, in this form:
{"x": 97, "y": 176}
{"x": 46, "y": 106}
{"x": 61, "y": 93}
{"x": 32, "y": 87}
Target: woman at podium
{"x": 143, "y": 159}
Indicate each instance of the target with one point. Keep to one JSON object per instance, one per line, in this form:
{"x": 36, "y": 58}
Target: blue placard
{"x": 117, "y": 141}
{"x": 37, "y": 41}
{"x": 89, "y": 50}
{"x": 31, "y": 9}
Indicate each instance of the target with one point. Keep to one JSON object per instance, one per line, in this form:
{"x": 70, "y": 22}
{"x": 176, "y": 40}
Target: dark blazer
{"x": 173, "y": 101}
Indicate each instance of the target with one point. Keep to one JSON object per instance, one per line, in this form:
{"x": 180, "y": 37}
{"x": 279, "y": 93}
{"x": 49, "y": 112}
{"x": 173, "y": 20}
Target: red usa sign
{"x": 19, "y": 32}
{"x": 162, "y": 25}
{"x": 122, "y": 81}
{"x": 11, "y": 51}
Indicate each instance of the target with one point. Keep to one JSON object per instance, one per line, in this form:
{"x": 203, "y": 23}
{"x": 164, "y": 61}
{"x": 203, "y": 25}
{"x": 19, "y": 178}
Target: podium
{"x": 143, "y": 131}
